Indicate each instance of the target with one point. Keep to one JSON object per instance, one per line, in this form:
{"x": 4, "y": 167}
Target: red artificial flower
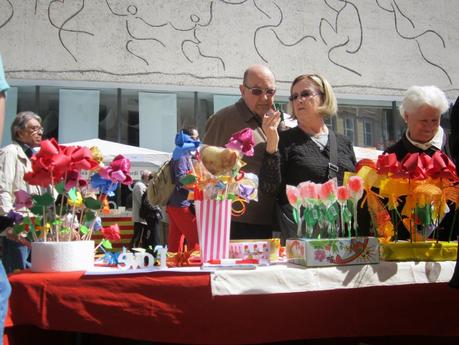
{"x": 366, "y": 162}
{"x": 328, "y": 189}
{"x": 442, "y": 167}
{"x": 48, "y": 165}
{"x": 355, "y": 184}
{"x": 118, "y": 170}
{"x": 81, "y": 158}
{"x": 387, "y": 164}
{"x": 415, "y": 165}
{"x": 112, "y": 232}
{"x": 74, "y": 180}
{"x": 342, "y": 194}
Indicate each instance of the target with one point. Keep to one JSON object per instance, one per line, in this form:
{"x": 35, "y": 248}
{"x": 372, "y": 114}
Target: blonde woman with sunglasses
{"x": 303, "y": 153}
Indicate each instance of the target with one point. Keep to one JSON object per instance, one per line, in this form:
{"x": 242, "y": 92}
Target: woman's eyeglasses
{"x": 256, "y": 91}
{"x": 304, "y": 94}
{"x": 34, "y": 129}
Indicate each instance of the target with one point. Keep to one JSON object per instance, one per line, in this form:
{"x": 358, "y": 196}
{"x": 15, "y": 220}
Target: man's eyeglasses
{"x": 34, "y": 129}
{"x": 256, "y": 91}
{"x": 304, "y": 94}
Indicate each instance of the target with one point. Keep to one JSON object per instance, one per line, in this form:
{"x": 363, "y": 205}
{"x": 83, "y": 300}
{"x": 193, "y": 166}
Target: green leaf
{"x": 92, "y": 203}
{"x": 27, "y": 220}
{"x": 60, "y": 187}
{"x": 37, "y": 210}
{"x": 84, "y": 229}
{"x": 65, "y": 230}
{"x": 18, "y": 228}
{"x": 296, "y": 215}
{"x": 57, "y": 222}
{"x": 73, "y": 194}
{"x": 89, "y": 216}
{"x": 43, "y": 200}
{"x": 188, "y": 179}
{"x": 106, "y": 244}
{"x": 29, "y": 236}
{"x": 38, "y": 220}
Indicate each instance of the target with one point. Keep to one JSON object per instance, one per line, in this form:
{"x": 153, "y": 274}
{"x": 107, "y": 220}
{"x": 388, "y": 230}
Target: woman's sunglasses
{"x": 304, "y": 94}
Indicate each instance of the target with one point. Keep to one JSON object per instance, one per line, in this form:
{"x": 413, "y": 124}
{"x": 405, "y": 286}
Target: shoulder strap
{"x": 333, "y": 164}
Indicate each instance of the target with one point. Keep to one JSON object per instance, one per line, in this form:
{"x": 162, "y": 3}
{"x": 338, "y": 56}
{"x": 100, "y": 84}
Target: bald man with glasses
{"x": 257, "y": 98}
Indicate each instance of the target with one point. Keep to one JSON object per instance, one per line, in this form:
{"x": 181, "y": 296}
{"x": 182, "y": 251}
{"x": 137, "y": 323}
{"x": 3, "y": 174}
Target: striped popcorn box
{"x": 213, "y": 218}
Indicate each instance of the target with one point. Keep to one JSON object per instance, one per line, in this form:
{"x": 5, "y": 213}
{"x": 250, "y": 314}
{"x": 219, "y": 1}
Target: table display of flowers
{"x": 69, "y": 207}
{"x": 411, "y": 197}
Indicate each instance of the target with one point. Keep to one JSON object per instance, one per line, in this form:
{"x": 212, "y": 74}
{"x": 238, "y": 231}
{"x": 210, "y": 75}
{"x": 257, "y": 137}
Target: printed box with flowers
{"x": 333, "y": 251}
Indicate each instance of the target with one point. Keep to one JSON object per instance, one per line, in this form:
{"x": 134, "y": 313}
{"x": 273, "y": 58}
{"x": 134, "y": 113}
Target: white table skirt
{"x": 287, "y": 278}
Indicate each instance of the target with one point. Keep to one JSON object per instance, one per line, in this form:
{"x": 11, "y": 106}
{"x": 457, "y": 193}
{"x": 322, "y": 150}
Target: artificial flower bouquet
{"x": 220, "y": 189}
{"x": 71, "y": 201}
{"x": 408, "y": 199}
{"x": 326, "y": 217}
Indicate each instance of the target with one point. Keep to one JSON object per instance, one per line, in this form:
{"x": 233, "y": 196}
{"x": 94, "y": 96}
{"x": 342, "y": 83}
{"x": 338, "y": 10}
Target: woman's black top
{"x": 300, "y": 159}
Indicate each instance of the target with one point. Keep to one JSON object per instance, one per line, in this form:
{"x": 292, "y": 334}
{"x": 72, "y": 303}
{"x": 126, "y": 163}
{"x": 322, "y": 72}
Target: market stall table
{"x": 187, "y": 307}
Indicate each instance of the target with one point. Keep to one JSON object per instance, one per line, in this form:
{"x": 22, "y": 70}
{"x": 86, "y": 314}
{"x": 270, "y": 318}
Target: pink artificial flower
{"x": 22, "y": 199}
{"x": 118, "y": 170}
{"x": 242, "y": 141}
{"x": 327, "y": 190}
{"x": 293, "y": 195}
{"x": 112, "y": 232}
{"x": 308, "y": 190}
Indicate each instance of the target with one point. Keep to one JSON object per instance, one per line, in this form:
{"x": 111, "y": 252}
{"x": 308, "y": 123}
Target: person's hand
{"x": 270, "y": 123}
{"x": 17, "y": 238}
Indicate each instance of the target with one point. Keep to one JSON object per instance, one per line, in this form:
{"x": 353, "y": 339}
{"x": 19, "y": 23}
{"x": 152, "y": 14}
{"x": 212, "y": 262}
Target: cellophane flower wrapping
{"x": 411, "y": 195}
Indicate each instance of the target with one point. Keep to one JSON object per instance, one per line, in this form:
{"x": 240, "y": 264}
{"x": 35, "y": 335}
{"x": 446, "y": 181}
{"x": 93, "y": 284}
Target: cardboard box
{"x": 333, "y": 252}
{"x": 262, "y": 250}
{"x": 419, "y": 251}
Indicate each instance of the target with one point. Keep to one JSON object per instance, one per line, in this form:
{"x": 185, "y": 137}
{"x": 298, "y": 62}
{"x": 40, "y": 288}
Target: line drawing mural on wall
{"x": 391, "y": 6}
{"x": 346, "y": 12}
{"x": 61, "y": 28}
{"x": 214, "y": 40}
{"x": 6, "y": 12}
{"x": 132, "y": 13}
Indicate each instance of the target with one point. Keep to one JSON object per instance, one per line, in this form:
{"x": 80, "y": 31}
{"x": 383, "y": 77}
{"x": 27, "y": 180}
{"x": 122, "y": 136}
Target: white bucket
{"x": 62, "y": 256}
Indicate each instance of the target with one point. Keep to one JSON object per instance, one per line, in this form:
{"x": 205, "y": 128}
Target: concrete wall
{"x": 364, "y": 47}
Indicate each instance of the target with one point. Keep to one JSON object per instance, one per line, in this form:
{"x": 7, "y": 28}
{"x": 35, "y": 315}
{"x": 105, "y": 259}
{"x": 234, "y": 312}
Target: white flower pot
{"x": 62, "y": 256}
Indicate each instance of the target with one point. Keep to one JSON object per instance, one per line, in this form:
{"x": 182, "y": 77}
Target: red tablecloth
{"x": 179, "y": 308}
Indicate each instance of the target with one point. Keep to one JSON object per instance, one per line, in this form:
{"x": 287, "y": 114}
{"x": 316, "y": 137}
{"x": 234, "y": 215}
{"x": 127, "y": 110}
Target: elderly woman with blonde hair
{"x": 311, "y": 151}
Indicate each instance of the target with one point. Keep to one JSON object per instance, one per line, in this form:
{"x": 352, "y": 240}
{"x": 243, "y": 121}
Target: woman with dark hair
{"x": 182, "y": 219}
